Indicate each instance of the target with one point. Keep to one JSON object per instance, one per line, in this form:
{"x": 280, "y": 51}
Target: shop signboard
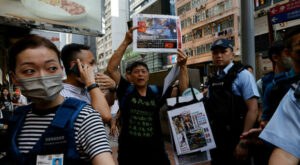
{"x": 285, "y": 12}
{"x": 72, "y": 16}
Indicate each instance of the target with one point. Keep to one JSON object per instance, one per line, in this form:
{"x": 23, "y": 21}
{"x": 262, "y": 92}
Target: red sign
{"x": 53, "y": 39}
{"x": 141, "y": 26}
{"x": 285, "y": 7}
{"x": 169, "y": 45}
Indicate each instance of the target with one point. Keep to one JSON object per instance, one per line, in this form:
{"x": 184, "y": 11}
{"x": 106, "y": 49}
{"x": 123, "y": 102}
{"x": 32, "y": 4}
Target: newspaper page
{"x": 191, "y": 158}
{"x": 190, "y": 129}
{"x": 156, "y": 33}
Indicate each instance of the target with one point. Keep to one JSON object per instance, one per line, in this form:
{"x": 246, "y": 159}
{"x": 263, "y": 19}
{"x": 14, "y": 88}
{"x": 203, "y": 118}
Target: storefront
{"x": 52, "y": 21}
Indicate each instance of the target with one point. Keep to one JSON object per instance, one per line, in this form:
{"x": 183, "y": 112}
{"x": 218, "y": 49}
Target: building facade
{"x": 203, "y": 22}
{"x": 116, "y": 15}
{"x": 262, "y": 34}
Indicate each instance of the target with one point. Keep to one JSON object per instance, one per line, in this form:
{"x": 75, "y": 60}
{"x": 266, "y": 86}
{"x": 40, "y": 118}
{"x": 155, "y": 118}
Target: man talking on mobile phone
{"x": 82, "y": 79}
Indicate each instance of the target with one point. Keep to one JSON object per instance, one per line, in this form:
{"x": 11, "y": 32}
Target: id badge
{"x": 54, "y": 159}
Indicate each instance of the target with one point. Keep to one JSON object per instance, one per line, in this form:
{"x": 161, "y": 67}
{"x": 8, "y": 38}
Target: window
{"x": 199, "y": 17}
{"x": 226, "y": 24}
{"x": 196, "y": 18}
{"x": 207, "y": 47}
{"x": 208, "y": 13}
{"x": 197, "y": 33}
{"x": 195, "y": 3}
{"x": 187, "y": 37}
{"x": 228, "y": 4}
{"x": 185, "y": 23}
{"x": 203, "y": 49}
{"x": 221, "y": 7}
{"x": 207, "y": 30}
{"x": 184, "y": 8}
{"x": 231, "y": 39}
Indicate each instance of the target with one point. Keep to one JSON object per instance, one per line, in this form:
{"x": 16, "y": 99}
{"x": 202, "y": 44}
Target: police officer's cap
{"x": 224, "y": 43}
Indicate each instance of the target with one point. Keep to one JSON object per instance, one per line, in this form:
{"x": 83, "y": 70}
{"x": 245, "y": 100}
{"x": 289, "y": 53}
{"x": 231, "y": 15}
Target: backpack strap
{"x": 154, "y": 89}
{"x": 15, "y": 124}
{"x": 64, "y": 120}
{"x": 128, "y": 91}
{"x": 234, "y": 71}
{"x": 69, "y": 109}
{"x": 266, "y": 80}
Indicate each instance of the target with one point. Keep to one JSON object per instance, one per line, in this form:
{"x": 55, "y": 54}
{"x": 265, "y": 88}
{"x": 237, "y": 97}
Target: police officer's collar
{"x": 226, "y": 69}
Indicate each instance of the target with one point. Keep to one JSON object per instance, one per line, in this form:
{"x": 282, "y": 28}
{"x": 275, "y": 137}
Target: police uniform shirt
{"x": 283, "y": 128}
{"x": 244, "y": 85}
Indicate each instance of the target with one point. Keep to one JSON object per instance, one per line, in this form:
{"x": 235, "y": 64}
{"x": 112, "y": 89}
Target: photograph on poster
{"x": 190, "y": 129}
{"x": 156, "y": 33}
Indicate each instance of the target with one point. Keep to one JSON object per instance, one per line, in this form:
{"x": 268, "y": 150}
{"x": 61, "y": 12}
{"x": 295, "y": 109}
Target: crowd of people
{"x": 252, "y": 122}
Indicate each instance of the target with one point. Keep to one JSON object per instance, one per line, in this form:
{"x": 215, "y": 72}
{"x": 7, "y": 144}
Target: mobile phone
{"x": 129, "y": 24}
{"x": 75, "y": 70}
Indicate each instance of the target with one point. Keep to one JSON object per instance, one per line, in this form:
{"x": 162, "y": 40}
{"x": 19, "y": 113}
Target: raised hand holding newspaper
{"x": 156, "y": 33}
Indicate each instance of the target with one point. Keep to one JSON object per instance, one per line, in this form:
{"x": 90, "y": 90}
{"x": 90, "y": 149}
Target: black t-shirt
{"x": 140, "y": 118}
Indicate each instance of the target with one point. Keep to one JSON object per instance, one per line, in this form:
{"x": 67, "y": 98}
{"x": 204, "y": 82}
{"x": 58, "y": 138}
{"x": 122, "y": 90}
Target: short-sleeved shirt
{"x": 90, "y": 136}
{"x": 283, "y": 130}
{"x": 23, "y": 100}
{"x": 244, "y": 85}
{"x": 76, "y": 92}
{"x": 141, "y": 130}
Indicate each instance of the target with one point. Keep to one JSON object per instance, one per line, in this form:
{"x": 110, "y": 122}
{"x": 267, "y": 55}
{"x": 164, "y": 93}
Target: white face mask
{"x": 44, "y": 88}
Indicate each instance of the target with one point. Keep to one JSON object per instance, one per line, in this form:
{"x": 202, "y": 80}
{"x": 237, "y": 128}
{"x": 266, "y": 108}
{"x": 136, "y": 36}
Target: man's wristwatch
{"x": 89, "y": 88}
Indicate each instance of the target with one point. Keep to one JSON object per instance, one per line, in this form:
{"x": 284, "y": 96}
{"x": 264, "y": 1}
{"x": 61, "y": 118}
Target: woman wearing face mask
{"x": 52, "y": 126}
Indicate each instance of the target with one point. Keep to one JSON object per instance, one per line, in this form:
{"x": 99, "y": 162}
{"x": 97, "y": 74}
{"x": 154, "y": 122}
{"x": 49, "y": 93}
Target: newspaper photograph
{"x": 190, "y": 129}
{"x": 156, "y": 33}
{"x": 190, "y": 158}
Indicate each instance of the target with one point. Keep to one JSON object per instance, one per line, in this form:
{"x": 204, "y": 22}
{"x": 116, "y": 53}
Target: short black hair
{"x": 128, "y": 67}
{"x": 276, "y": 48}
{"x": 138, "y": 63}
{"x": 30, "y": 41}
{"x": 69, "y": 52}
{"x": 248, "y": 66}
{"x": 289, "y": 36}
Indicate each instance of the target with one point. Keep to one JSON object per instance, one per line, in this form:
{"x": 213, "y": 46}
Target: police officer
{"x": 231, "y": 104}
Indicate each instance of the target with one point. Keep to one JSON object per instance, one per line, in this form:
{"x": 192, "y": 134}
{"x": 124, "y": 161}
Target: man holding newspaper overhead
{"x": 141, "y": 135}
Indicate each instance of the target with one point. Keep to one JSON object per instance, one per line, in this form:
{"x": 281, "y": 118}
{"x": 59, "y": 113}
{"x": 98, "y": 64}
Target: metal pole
{"x": 247, "y": 33}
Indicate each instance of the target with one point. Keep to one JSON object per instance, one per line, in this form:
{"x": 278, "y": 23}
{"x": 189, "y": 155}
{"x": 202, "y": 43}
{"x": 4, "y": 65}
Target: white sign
{"x": 156, "y": 33}
{"x": 190, "y": 129}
